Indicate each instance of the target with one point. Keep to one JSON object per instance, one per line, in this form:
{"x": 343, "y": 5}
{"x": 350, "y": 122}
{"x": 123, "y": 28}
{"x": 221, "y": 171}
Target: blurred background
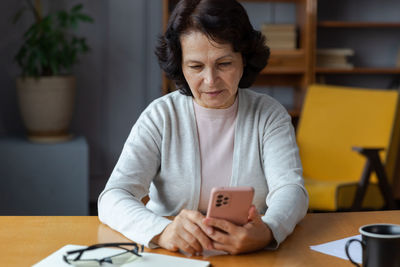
{"x": 120, "y": 76}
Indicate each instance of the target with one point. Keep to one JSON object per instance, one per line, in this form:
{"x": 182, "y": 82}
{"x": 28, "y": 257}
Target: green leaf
{"x": 32, "y": 30}
{"x": 63, "y": 19}
{"x": 73, "y": 22}
{"x": 84, "y": 18}
{"x": 50, "y": 47}
{"x": 76, "y": 8}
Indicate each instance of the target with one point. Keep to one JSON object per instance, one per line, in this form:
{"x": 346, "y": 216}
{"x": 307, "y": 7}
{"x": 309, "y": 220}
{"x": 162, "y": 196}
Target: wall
{"x": 115, "y": 81}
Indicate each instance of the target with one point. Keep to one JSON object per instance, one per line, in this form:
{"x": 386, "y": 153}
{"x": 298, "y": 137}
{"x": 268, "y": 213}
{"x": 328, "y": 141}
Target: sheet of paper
{"x": 147, "y": 259}
{"x": 207, "y": 253}
{"x": 337, "y": 248}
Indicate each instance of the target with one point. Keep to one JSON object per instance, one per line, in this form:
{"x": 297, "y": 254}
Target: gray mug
{"x": 380, "y": 245}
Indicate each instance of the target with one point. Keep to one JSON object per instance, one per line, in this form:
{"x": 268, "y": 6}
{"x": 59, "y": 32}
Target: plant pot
{"x": 46, "y": 106}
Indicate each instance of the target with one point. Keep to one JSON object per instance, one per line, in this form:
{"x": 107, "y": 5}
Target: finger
{"x": 224, "y": 247}
{"x": 180, "y": 237}
{"x": 183, "y": 244}
{"x": 221, "y": 224}
{"x": 254, "y": 217}
{"x": 198, "y": 219}
{"x": 164, "y": 240}
{"x": 198, "y": 228}
{"x": 202, "y": 238}
{"x": 190, "y": 238}
{"x": 170, "y": 246}
{"x": 253, "y": 214}
{"x": 220, "y": 237}
{"x": 225, "y": 232}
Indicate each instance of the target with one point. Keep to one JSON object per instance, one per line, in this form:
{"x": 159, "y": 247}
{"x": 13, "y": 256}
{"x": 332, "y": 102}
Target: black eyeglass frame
{"x": 136, "y": 250}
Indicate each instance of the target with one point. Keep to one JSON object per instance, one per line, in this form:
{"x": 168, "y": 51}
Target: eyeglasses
{"x": 128, "y": 255}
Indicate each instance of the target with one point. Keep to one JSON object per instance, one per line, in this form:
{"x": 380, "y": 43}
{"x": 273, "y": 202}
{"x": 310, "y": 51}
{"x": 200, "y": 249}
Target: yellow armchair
{"x": 343, "y": 134}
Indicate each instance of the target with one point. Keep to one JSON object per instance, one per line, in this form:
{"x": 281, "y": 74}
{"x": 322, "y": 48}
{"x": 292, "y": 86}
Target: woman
{"x": 207, "y": 134}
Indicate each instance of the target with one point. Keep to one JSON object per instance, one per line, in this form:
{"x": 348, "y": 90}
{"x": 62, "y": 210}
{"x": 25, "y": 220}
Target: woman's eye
{"x": 225, "y": 64}
{"x": 195, "y": 67}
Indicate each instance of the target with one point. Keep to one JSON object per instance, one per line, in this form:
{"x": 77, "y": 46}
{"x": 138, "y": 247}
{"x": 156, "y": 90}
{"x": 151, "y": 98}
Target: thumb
{"x": 253, "y": 214}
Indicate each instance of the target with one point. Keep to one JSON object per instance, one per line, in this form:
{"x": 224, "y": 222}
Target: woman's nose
{"x": 210, "y": 76}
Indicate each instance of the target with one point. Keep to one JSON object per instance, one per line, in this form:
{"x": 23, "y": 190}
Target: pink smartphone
{"x": 231, "y": 203}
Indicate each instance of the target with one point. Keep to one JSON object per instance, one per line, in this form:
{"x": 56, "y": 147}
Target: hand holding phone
{"x": 231, "y": 203}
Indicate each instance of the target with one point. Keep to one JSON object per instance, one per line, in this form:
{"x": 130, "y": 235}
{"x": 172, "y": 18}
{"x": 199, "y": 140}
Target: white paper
{"x": 337, "y": 249}
{"x": 206, "y": 253}
{"x": 147, "y": 259}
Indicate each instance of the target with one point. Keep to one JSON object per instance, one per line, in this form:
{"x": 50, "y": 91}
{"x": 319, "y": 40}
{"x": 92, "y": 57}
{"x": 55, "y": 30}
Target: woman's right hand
{"x": 186, "y": 232}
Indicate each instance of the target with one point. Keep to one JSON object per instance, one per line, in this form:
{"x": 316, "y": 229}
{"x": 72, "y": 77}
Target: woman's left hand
{"x": 235, "y": 239}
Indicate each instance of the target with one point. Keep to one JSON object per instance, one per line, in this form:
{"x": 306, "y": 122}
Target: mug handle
{"x": 347, "y": 250}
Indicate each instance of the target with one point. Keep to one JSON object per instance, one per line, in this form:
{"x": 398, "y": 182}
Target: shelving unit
{"x": 359, "y": 70}
{"x": 355, "y": 29}
{"x": 359, "y": 25}
{"x": 355, "y": 24}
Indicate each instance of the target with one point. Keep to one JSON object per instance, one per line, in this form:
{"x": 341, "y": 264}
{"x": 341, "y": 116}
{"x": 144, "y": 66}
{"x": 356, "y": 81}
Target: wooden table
{"x": 26, "y": 240}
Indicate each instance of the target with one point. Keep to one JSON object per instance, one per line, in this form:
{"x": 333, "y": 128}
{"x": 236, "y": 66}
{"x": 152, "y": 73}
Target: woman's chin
{"x": 214, "y": 104}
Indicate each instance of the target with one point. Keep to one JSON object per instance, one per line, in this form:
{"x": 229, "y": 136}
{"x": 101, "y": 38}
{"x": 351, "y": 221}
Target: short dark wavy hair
{"x": 223, "y": 21}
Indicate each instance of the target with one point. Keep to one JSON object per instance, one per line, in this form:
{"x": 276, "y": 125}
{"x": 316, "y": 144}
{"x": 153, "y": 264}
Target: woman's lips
{"x": 214, "y": 93}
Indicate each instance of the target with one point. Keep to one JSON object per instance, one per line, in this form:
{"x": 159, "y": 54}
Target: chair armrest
{"x": 373, "y": 163}
{"x": 367, "y": 151}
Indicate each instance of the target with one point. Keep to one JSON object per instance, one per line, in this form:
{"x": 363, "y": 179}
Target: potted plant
{"x": 46, "y": 88}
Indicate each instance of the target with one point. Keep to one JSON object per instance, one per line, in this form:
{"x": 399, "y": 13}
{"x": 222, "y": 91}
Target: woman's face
{"x": 211, "y": 69}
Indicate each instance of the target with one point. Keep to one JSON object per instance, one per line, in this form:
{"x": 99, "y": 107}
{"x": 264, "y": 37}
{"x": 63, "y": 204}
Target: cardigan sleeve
{"x": 127, "y": 215}
{"x": 119, "y": 205}
{"x": 287, "y": 199}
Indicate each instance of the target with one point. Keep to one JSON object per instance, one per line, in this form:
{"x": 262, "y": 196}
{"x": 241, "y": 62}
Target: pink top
{"x": 216, "y": 130}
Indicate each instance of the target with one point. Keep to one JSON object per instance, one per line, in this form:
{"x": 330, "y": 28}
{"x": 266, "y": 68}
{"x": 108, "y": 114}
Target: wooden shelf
{"x": 265, "y": 1}
{"x": 279, "y": 79}
{"x": 360, "y": 70}
{"x": 287, "y": 52}
{"x": 354, "y": 24}
{"x": 282, "y": 70}
{"x": 286, "y": 62}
